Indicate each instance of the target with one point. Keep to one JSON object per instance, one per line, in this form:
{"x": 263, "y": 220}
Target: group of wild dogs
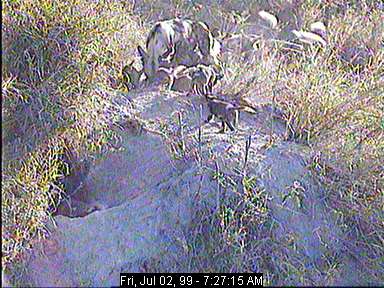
{"x": 187, "y": 55}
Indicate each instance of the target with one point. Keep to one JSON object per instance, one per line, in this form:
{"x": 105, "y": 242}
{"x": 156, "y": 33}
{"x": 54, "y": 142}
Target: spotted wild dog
{"x": 207, "y": 44}
{"x": 199, "y": 79}
{"x": 180, "y": 77}
{"x": 227, "y": 112}
{"x": 172, "y": 40}
{"x": 204, "y": 78}
{"x": 200, "y": 48}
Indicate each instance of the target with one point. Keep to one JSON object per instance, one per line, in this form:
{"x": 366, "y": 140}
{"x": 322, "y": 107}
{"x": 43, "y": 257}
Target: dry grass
{"x": 333, "y": 101}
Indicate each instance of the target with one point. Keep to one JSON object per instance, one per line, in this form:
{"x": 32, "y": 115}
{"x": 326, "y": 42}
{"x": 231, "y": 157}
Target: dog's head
{"x": 149, "y": 65}
{"x": 131, "y": 76}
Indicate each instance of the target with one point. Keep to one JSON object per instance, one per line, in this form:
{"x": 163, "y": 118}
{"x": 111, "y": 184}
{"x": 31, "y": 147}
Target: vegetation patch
{"x": 60, "y": 60}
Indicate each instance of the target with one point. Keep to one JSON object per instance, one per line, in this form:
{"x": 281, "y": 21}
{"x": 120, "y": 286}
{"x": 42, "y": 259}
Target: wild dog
{"x": 131, "y": 76}
{"x": 204, "y": 78}
{"x": 161, "y": 43}
{"x": 180, "y": 77}
{"x": 209, "y": 46}
{"x": 200, "y": 48}
{"x": 190, "y": 38}
{"x": 199, "y": 79}
{"x": 186, "y": 54}
{"x": 227, "y": 112}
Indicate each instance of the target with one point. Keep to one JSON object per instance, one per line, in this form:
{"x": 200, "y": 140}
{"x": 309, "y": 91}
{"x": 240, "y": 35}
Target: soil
{"x": 145, "y": 198}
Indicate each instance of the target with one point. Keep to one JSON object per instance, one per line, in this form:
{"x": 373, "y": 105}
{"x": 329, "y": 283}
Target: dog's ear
{"x": 143, "y": 55}
{"x": 126, "y": 67}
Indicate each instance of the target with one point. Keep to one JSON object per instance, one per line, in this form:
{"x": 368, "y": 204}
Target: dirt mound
{"x": 148, "y": 207}
{"x": 147, "y": 192}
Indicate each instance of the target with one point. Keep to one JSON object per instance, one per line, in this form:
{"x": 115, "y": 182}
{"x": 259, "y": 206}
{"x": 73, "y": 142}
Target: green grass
{"x": 56, "y": 53}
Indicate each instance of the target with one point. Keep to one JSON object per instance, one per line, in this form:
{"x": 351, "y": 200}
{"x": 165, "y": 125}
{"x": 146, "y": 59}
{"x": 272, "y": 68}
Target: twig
{"x": 76, "y": 190}
{"x": 218, "y": 187}
{"x": 180, "y": 117}
{"x": 274, "y": 99}
{"x": 200, "y": 134}
{"x": 247, "y": 146}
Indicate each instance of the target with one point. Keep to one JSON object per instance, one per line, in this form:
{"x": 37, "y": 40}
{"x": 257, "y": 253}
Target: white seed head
{"x": 318, "y": 28}
{"x": 270, "y": 18}
{"x": 309, "y": 37}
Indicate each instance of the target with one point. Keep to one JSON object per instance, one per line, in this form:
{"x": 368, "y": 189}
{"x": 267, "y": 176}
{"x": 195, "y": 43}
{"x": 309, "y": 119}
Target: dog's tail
{"x": 245, "y": 109}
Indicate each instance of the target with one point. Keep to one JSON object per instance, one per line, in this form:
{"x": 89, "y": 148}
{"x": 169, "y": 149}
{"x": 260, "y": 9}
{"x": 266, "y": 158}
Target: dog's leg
{"x": 210, "y": 118}
{"x": 230, "y": 125}
{"x": 171, "y": 81}
{"x": 222, "y": 130}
